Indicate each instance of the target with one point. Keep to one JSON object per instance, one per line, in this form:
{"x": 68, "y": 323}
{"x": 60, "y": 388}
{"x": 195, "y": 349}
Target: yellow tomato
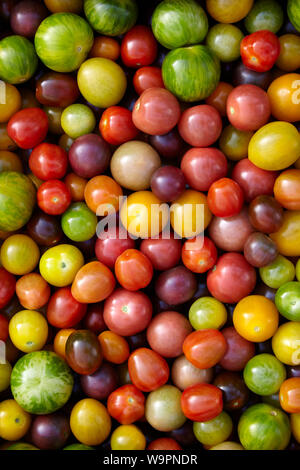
{"x": 19, "y": 254}
{"x": 256, "y": 318}
{"x": 287, "y": 238}
{"x": 59, "y": 343}
{"x": 28, "y": 330}
{"x": 286, "y": 343}
{"x": 90, "y": 422}
{"x": 295, "y": 425}
{"x": 289, "y": 57}
{"x": 127, "y": 437}
{"x": 60, "y": 264}
{"x": 284, "y": 96}
{"x": 14, "y": 421}
{"x": 228, "y": 11}
{"x": 5, "y": 373}
{"x": 144, "y": 215}
{"x": 10, "y": 101}
{"x": 190, "y": 214}
{"x": 275, "y": 146}
{"x": 228, "y": 445}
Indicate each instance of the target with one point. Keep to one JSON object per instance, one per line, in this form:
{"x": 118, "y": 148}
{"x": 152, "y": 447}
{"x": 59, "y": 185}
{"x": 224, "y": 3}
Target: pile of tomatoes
{"x": 118, "y": 329}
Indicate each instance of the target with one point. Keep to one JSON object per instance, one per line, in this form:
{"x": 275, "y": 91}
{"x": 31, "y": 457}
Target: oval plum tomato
{"x": 114, "y": 347}
{"x": 7, "y": 287}
{"x": 163, "y": 253}
{"x": 138, "y": 47}
{"x": 254, "y": 181}
{"x": 48, "y": 162}
{"x": 63, "y": 310}
{"x": 133, "y": 270}
{"x": 289, "y": 395}
{"x": 53, "y": 197}
{"x": 111, "y": 244}
{"x": 200, "y": 126}
{"x": 199, "y": 254}
{"x": 126, "y": 404}
{"x": 205, "y": 348}
{"x": 147, "y": 77}
{"x": 225, "y": 198}
{"x": 156, "y": 111}
{"x": 116, "y": 125}
{"x": 147, "y": 369}
{"x": 231, "y": 279}
{"x": 93, "y": 283}
{"x": 260, "y": 50}
{"x": 33, "y": 291}
{"x": 202, "y": 402}
{"x": 76, "y": 185}
{"x": 106, "y": 47}
{"x": 127, "y": 313}
{"x": 83, "y": 352}
{"x": 3, "y": 328}
{"x": 28, "y": 127}
{"x": 102, "y": 195}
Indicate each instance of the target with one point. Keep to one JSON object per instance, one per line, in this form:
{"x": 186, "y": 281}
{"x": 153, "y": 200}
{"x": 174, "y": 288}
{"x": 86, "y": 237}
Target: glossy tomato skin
{"x": 7, "y": 287}
{"x": 168, "y": 183}
{"x": 126, "y": 404}
{"x": 4, "y": 332}
{"x": 93, "y": 283}
{"x": 139, "y": 47}
{"x": 199, "y": 254}
{"x": 93, "y": 320}
{"x": 133, "y": 270}
{"x": 63, "y": 310}
{"x": 254, "y": 181}
{"x": 205, "y": 348}
{"x": 239, "y": 350}
{"x": 147, "y": 77}
{"x": 231, "y": 233}
{"x": 176, "y": 285}
{"x": 200, "y": 126}
{"x": 116, "y": 125}
{"x": 225, "y": 198}
{"x": 53, "y": 197}
{"x": 289, "y": 395}
{"x": 44, "y": 229}
{"x": 163, "y": 253}
{"x": 202, "y": 402}
{"x": 33, "y": 291}
{"x": 101, "y": 383}
{"x": 287, "y": 189}
{"x": 112, "y": 245}
{"x": 56, "y": 89}
{"x": 48, "y": 162}
{"x": 260, "y": 50}
{"x": 83, "y": 352}
{"x": 28, "y": 127}
{"x": 266, "y": 214}
{"x": 147, "y": 369}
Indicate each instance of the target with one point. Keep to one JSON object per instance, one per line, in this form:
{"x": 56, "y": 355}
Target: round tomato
{"x": 147, "y": 77}
{"x": 90, "y": 422}
{"x": 59, "y": 264}
{"x": 53, "y": 197}
{"x": 103, "y": 195}
{"x": 289, "y": 395}
{"x": 287, "y": 189}
{"x": 138, "y": 47}
{"x": 48, "y": 162}
{"x": 63, "y": 311}
{"x": 116, "y": 125}
{"x": 225, "y": 198}
{"x": 14, "y": 421}
{"x": 33, "y": 291}
{"x": 147, "y": 369}
{"x": 205, "y": 348}
{"x": 133, "y": 270}
{"x": 202, "y": 402}
{"x": 114, "y": 347}
{"x": 284, "y": 97}
{"x": 199, "y": 254}
{"x": 19, "y": 254}
{"x": 92, "y": 283}
{"x": 260, "y": 50}
{"x": 126, "y": 404}
{"x": 286, "y": 343}
{"x": 127, "y": 437}
{"x": 28, "y": 330}
{"x": 287, "y": 238}
{"x": 28, "y": 127}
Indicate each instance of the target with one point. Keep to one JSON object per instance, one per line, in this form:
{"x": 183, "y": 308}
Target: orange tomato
{"x": 284, "y": 95}
{"x": 102, "y": 195}
{"x": 105, "y": 47}
{"x": 287, "y": 238}
{"x": 10, "y": 161}
{"x": 33, "y": 291}
{"x": 289, "y": 58}
{"x": 287, "y": 189}
{"x": 218, "y": 98}
{"x": 60, "y": 340}
{"x": 93, "y": 283}
{"x": 289, "y": 395}
{"x": 114, "y": 347}
{"x": 76, "y": 185}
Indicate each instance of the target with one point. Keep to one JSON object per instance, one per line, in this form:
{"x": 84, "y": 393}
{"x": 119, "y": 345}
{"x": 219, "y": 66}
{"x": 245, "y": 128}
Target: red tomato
{"x": 7, "y": 287}
{"x": 147, "y": 77}
{"x": 126, "y": 404}
{"x": 33, "y": 291}
{"x": 202, "y": 402}
{"x": 48, "y": 162}
{"x": 108, "y": 248}
{"x": 138, "y": 47}
{"x": 3, "y": 328}
{"x": 260, "y": 50}
{"x": 231, "y": 279}
{"x": 225, "y": 198}
{"x": 114, "y": 347}
{"x": 63, "y": 310}
{"x": 200, "y": 126}
{"x": 94, "y": 320}
{"x": 53, "y": 197}
{"x": 116, "y": 125}
{"x": 28, "y": 127}
{"x": 163, "y": 253}
{"x": 133, "y": 270}
{"x": 147, "y": 369}
{"x": 204, "y": 348}
{"x": 164, "y": 443}
{"x": 127, "y": 313}
{"x": 199, "y": 254}
{"x": 239, "y": 350}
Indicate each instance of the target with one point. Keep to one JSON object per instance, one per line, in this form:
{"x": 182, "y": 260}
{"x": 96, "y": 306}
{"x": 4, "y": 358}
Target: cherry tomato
{"x": 76, "y": 185}
{"x": 289, "y": 395}
{"x": 254, "y": 181}
{"x": 3, "y": 327}
{"x": 168, "y": 183}
{"x": 218, "y": 98}
{"x": 164, "y": 253}
{"x": 63, "y": 311}
{"x": 199, "y": 254}
{"x": 284, "y": 97}
{"x": 93, "y": 319}
{"x": 90, "y": 422}
{"x": 265, "y": 214}
{"x": 225, "y": 198}
{"x": 260, "y": 50}
{"x": 200, "y": 126}
{"x": 287, "y": 189}
{"x": 164, "y": 443}
{"x": 102, "y": 195}
{"x": 127, "y": 437}
{"x": 48, "y": 162}
{"x": 14, "y": 421}
{"x": 28, "y": 127}
{"x": 133, "y": 269}
{"x": 59, "y": 264}
{"x": 83, "y": 352}
{"x": 287, "y": 237}
{"x": 116, "y": 125}
{"x": 60, "y": 340}
{"x": 56, "y": 89}
{"x": 204, "y": 348}
{"x": 147, "y": 369}
{"x": 138, "y": 47}
{"x": 114, "y": 347}
{"x": 19, "y": 254}
{"x": 106, "y": 47}
{"x": 53, "y": 197}
{"x": 7, "y": 287}
{"x": 93, "y": 283}
{"x": 147, "y": 77}
{"x": 28, "y": 330}
{"x": 12, "y": 103}
{"x": 285, "y": 343}
{"x": 234, "y": 143}
{"x": 33, "y": 291}
{"x": 288, "y": 59}
{"x": 126, "y": 404}
{"x": 202, "y": 402}
{"x": 239, "y": 350}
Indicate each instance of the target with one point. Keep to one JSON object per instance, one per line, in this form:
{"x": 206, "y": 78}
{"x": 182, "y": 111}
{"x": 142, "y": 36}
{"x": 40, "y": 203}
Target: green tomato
{"x": 163, "y": 409}
{"x": 265, "y": 14}
{"x": 264, "y": 374}
{"x": 77, "y": 120}
{"x": 298, "y": 270}
{"x": 79, "y": 222}
{"x": 18, "y": 60}
{"x": 78, "y": 446}
{"x": 207, "y": 312}
{"x": 224, "y": 40}
{"x": 21, "y": 446}
{"x": 264, "y": 427}
{"x": 60, "y": 264}
{"x": 111, "y": 17}
{"x": 214, "y": 431}
{"x": 287, "y": 300}
{"x": 277, "y": 273}
{"x": 293, "y": 11}
{"x": 5, "y": 373}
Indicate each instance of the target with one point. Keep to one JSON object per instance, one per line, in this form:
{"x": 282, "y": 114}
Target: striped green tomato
{"x": 18, "y": 60}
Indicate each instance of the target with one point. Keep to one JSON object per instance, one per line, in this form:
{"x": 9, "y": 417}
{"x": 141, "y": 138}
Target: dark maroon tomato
{"x": 260, "y": 250}
{"x": 7, "y": 287}
{"x": 163, "y": 253}
{"x": 89, "y": 155}
{"x": 184, "y": 435}
{"x": 48, "y": 162}
{"x": 50, "y": 432}
{"x": 28, "y": 127}
{"x": 203, "y": 166}
{"x": 4, "y": 333}
{"x": 292, "y": 371}
{"x": 63, "y": 310}
{"x": 57, "y": 89}
{"x": 254, "y": 181}
{"x": 239, "y": 350}
{"x": 137, "y": 341}
{"x": 6, "y": 7}
{"x": 169, "y": 145}
{"x": 101, "y": 383}
{"x": 266, "y": 214}
{"x": 225, "y": 198}
{"x": 54, "y": 197}
{"x": 244, "y": 76}
{"x": 231, "y": 279}
{"x": 26, "y": 17}
{"x": 44, "y": 229}
{"x": 87, "y": 247}
{"x": 168, "y": 183}
{"x": 176, "y": 286}
{"x": 109, "y": 248}
{"x": 235, "y": 392}
{"x": 147, "y": 77}
{"x": 93, "y": 319}
{"x": 138, "y": 47}
{"x": 83, "y": 352}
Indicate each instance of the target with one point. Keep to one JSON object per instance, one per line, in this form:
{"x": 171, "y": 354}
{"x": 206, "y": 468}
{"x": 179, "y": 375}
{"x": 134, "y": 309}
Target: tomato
{"x": 63, "y": 311}
{"x": 231, "y": 233}
{"x": 147, "y": 77}
{"x": 48, "y": 162}
{"x": 138, "y": 47}
{"x": 7, "y": 287}
{"x": 77, "y": 120}
{"x": 147, "y": 369}
{"x": 133, "y": 269}
{"x": 256, "y": 318}
{"x": 202, "y": 402}
{"x": 19, "y": 254}
{"x": 10, "y": 161}
{"x": 59, "y": 264}
{"x": 234, "y": 143}
{"x": 93, "y": 320}
{"x": 228, "y": 11}
{"x": 218, "y": 98}
{"x": 287, "y": 237}
{"x": 127, "y": 437}
{"x": 3, "y": 328}
{"x": 176, "y": 285}
{"x": 264, "y": 374}
{"x": 93, "y": 282}
{"x": 260, "y": 50}
{"x": 225, "y": 198}
{"x": 90, "y": 422}
{"x": 285, "y": 343}
{"x": 111, "y": 244}
{"x": 28, "y": 330}
{"x": 164, "y": 253}
{"x": 60, "y": 340}
{"x": 5, "y": 373}
{"x": 114, "y": 347}
{"x": 266, "y": 214}
{"x": 53, "y": 197}
{"x": 76, "y": 185}
{"x": 28, "y": 127}
{"x": 14, "y": 421}
{"x": 106, "y": 47}
{"x": 289, "y": 395}
{"x": 126, "y": 404}
{"x": 184, "y": 374}
{"x": 83, "y": 352}
{"x": 204, "y": 348}
{"x": 284, "y": 97}
{"x": 163, "y": 409}
{"x": 286, "y": 189}
{"x": 200, "y": 126}
{"x": 102, "y": 195}
{"x": 164, "y": 443}
{"x": 294, "y": 419}
{"x": 239, "y": 350}
{"x": 33, "y": 291}
{"x": 116, "y": 125}
{"x": 224, "y": 40}
{"x": 199, "y": 254}
{"x": 168, "y": 183}
{"x": 12, "y": 103}
{"x": 207, "y": 312}
{"x": 215, "y": 430}
{"x": 56, "y": 89}
{"x": 288, "y": 59}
